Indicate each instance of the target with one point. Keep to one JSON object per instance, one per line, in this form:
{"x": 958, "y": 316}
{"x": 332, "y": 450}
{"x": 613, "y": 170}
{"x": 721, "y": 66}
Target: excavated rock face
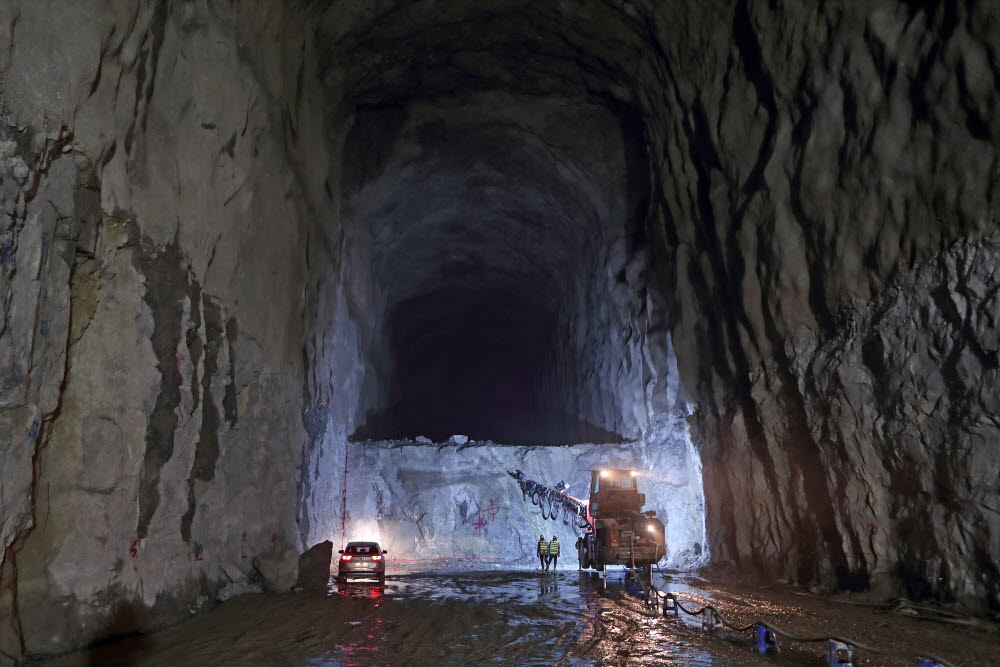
{"x": 837, "y": 202}
{"x": 429, "y": 505}
{"x": 232, "y": 237}
{"x": 150, "y": 364}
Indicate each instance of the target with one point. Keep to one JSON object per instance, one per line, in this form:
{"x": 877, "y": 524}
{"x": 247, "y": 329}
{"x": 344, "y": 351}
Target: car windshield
{"x": 362, "y": 549}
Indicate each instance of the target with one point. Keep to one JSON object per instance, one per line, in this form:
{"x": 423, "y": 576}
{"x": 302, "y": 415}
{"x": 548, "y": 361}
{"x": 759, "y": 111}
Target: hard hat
{"x": 554, "y": 537}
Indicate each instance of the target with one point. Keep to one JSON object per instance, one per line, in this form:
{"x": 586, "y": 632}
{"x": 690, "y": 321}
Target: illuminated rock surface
{"x": 427, "y": 504}
{"x": 233, "y": 236}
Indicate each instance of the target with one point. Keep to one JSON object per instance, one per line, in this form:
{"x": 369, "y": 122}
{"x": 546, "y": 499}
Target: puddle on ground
{"x": 509, "y": 617}
{"x": 570, "y": 618}
{"x": 495, "y": 617}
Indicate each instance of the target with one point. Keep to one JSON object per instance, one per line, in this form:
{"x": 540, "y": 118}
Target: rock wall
{"x": 156, "y": 214}
{"x": 814, "y": 161}
{"x": 899, "y": 411}
{"x": 454, "y": 506}
{"x": 47, "y": 206}
{"x": 191, "y": 331}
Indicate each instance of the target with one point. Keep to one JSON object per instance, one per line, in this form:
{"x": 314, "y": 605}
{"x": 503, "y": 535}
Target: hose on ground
{"x": 787, "y": 635}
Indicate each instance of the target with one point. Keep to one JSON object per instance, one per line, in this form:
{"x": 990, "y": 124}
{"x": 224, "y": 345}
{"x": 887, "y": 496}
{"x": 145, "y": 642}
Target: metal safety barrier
{"x": 764, "y": 639}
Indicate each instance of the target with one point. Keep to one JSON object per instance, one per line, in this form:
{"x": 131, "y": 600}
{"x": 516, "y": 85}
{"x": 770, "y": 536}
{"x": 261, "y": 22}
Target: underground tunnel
{"x": 494, "y": 225}
{"x": 278, "y": 277}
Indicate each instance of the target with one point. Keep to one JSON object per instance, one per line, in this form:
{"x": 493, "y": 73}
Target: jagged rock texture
{"x": 901, "y": 408}
{"x": 430, "y": 504}
{"x": 191, "y": 318}
{"x": 151, "y": 377}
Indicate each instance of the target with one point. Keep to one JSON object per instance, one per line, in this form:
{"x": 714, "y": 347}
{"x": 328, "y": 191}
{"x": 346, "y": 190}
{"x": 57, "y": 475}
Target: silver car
{"x": 362, "y": 560}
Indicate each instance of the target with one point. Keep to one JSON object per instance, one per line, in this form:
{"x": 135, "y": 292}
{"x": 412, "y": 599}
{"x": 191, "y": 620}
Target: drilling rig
{"x": 617, "y": 531}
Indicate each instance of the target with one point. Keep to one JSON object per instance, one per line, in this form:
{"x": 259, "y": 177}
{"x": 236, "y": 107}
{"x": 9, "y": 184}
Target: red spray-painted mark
{"x": 5, "y": 615}
{"x": 489, "y": 513}
{"x": 199, "y": 552}
{"x": 243, "y": 546}
{"x": 493, "y": 509}
{"x": 343, "y": 510}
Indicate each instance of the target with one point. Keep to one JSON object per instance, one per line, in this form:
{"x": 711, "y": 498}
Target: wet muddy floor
{"x": 530, "y": 618}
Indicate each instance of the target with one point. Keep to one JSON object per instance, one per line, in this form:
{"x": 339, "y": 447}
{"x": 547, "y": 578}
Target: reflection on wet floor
{"x": 524, "y": 617}
{"x": 574, "y": 618}
{"x": 512, "y": 617}
{"x": 499, "y": 617}
{"x": 358, "y": 589}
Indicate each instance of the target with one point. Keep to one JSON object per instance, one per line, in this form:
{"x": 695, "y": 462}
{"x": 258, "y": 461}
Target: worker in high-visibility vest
{"x": 543, "y": 552}
{"x": 553, "y": 552}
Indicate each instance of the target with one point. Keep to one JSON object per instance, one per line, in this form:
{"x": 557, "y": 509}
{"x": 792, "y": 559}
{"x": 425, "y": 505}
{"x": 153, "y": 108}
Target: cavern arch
{"x": 493, "y": 232}
{"x": 221, "y": 247}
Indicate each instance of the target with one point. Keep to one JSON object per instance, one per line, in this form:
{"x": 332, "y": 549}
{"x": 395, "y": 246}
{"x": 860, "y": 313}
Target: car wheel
{"x": 381, "y": 579}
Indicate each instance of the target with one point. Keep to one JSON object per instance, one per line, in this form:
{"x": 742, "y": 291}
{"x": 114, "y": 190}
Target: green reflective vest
{"x": 554, "y": 547}
{"x": 543, "y": 547}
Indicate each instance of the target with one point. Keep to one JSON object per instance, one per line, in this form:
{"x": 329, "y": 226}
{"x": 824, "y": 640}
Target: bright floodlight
{"x": 651, "y": 528}
{"x": 634, "y": 473}
{"x": 605, "y": 473}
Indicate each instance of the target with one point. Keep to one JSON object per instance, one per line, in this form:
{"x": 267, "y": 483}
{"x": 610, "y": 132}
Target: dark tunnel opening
{"x": 465, "y": 359}
{"x": 468, "y": 362}
{"x": 501, "y": 231}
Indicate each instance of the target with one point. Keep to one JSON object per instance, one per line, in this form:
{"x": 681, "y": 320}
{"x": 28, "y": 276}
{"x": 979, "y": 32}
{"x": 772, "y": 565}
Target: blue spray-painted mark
{"x": 43, "y": 328}
{"x": 33, "y": 431}
{"x": 6, "y": 254}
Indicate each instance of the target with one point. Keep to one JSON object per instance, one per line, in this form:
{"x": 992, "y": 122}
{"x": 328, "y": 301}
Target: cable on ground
{"x": 713, "y": 618}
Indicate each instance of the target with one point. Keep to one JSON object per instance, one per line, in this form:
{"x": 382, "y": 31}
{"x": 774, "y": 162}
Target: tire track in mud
{"x": 597, "y": 631}
{"x": 611, "y": 632}
{"x": 481, "y": 654}
{"x": 621, "y": 630}
{"x": 550, "y": 632}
